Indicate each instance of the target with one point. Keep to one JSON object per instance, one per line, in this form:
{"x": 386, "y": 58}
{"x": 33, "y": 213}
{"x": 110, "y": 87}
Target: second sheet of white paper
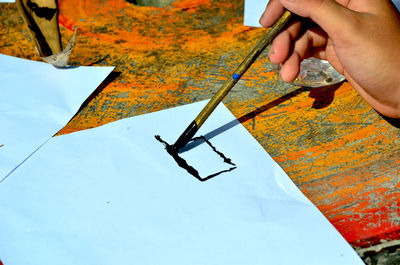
{"x": 113, "y": 195}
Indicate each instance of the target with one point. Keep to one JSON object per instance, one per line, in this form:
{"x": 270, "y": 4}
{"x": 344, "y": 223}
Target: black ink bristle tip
{"x": 186, "y": 136}
{"x": 172, "y": 149}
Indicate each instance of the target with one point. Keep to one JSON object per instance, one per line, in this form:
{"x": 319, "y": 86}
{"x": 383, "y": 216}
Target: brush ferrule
{"x": 186, "y": 136}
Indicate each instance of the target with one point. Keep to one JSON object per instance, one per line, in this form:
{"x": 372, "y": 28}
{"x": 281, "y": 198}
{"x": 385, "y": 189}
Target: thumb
{"x": 332, "y": 17}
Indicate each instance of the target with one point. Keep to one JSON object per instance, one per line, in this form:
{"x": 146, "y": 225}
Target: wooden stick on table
{"x": 41, "y": 16}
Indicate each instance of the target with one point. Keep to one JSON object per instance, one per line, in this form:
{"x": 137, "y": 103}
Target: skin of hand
{"x": 359, "y": 38}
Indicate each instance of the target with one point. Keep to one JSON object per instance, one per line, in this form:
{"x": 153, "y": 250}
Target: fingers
{"x": 331, "y": 16}
{"x": 309, "y": 43}
{"x": 271, "y": 14}
{"x": 298, "y": 41}
{"x": 291, "y": 66}
{"x": 281, "y": 45}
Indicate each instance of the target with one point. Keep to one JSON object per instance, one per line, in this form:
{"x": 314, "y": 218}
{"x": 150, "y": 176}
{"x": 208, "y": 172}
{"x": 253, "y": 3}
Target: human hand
{"x": 359, "y": 38}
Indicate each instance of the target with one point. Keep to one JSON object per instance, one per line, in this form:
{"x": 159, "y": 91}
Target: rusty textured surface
{"x": 338, "y": 150}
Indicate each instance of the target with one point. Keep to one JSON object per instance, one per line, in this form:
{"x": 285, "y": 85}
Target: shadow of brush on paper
{"x": 212, "y": 161}
{"x": 323, "y": 98}
{"x": 244, "y": 118}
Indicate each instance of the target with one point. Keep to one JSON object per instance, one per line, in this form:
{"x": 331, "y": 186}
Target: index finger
{"x": 272, "y": 13}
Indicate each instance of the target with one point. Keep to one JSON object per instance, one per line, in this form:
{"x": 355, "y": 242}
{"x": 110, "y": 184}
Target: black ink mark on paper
{"x": 42, "y": 12}
{"x": 191, "y": 170}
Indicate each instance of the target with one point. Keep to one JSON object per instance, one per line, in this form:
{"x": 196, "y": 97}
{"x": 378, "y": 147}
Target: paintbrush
{"x": 193, "y": 127}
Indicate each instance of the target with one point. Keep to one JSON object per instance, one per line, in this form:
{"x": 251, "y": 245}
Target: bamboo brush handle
{"x": 193, "y": 127}
{"x": 242, "y": 68}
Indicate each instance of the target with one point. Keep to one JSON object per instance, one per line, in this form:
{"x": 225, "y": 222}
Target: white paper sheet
{"x": 253, "y": 10}
{"x": 36, "y": 101}
{"x": 113, "y": 195}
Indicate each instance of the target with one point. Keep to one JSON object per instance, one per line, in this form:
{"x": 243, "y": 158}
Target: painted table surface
{"x": 338, "y": 150}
